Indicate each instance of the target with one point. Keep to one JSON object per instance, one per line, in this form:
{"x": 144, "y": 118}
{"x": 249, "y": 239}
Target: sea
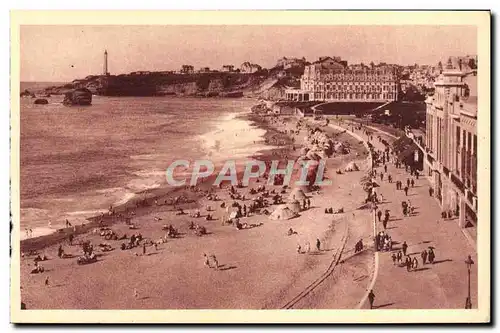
{"x": 77, "y": 161}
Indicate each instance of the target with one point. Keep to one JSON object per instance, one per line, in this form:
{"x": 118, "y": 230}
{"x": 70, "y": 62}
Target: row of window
{"x": 351, "y": 88}
{"x": 318, "y": 76}
{"x": 356, "y": 83}
{"x": 353, "y": 96}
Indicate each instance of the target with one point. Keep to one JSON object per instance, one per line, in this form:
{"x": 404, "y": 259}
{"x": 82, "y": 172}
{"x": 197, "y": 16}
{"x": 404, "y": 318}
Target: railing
{"x": 457, "y": 182}
{"x": 446, "y": 171}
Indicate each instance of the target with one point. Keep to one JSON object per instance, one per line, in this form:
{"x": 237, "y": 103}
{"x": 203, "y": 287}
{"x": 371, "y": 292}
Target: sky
{"x": 64, "y": 53}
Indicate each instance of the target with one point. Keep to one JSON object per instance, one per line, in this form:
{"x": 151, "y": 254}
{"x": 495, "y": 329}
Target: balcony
{"x": 446, "y": 171}
{"x": 457, "y": 182}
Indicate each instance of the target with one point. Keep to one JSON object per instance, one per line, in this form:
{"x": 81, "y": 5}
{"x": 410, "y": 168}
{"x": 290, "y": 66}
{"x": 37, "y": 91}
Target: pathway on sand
{"x": 346, "y": 284}
{"x": 442, "y": 285}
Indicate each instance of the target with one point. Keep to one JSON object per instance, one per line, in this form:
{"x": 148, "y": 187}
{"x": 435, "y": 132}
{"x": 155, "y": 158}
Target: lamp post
{"x": 468, "y": 303}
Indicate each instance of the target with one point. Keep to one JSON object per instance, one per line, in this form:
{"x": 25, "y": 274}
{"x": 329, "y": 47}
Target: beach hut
{"x": 282, "y": 213}
{"x": 294, "y": 206}
{"x": 351, "y": 167}
{"x": 297, "y": 194}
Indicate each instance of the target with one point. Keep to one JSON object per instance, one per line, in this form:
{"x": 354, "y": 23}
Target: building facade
{"x": 228, "y": 68}
{"x": 451, "y": 142}
{"x": 187, "y": 69}
{"x": 248, "y": 67}
{"x": 331, "y": 79}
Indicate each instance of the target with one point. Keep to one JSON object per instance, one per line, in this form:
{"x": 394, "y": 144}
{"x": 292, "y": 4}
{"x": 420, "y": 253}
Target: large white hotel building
{"x": 331, "y": 79}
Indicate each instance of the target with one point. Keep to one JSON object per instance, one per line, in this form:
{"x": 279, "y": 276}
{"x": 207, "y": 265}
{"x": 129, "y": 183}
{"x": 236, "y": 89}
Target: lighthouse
{"x": 105, "y": 65}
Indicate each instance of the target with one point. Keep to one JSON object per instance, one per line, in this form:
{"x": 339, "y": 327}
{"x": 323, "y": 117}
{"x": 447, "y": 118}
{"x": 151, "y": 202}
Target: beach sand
{"x": 260, "y": 267}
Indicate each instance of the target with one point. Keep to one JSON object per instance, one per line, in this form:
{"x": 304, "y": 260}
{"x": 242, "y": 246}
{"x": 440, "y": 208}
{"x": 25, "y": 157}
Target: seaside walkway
{"x": 442, "y": 285}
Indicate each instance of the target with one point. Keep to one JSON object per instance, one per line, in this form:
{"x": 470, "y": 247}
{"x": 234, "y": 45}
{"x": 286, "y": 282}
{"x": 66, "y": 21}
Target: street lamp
{"x": 468, "y": 303}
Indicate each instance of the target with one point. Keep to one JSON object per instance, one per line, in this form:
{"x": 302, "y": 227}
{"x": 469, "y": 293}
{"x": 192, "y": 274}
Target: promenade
{"x": 442, "y": 285}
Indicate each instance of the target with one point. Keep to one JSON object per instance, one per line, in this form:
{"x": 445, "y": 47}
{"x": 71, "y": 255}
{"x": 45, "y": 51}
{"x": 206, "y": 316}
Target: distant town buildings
{"x": 248, "y": 67}
{"x": 228, "y": 68}
{"x": 451, "y": 139}
{"x": 204, "y": 70}
{"x": 187, "y": 69}
{"x": 331, "y": 79}
{"x": 287, "y": 63}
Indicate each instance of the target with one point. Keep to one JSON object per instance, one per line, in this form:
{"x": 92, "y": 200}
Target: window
{"x": 457, "y": 150}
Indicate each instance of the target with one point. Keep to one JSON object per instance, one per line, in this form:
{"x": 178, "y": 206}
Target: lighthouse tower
{"x": 105, "y": 66}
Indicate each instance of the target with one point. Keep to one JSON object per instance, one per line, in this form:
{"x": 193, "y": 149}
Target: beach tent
{"x": 282, "y": 212}
{"x": 313, "y": 156}
{"x": 351, "y": 167}
{"x": 297, "y": 194}
{"x": 294, "y": 206}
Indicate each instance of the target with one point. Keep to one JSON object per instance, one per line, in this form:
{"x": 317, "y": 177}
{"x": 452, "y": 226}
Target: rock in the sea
{"x": 81, "y": 96}
{"x": 41, "y": 101}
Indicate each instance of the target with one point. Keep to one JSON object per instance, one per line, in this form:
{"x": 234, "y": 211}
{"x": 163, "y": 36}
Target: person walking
{"x": 318, "y": 244}
{"x": 389, "y": 178}
{"x": 404, "y": 247}
{"x": 431, "y": 191}
{"x": 308, "y": 203}
{"x": 412, "y": 182}
{"x": 417, "y": 174}
{"x": 431, "y": 256}
{"x": 385, "y": 167}
{"x": 379, "y": 215}
{"x": 414, "y": 263}
{"x": 47, "y": 281}
{"x": 406, "y": 190}
{"x": 206, "y": 260}
{"x": 144, "y": 248}
{"x": 384, "y": 223}
{"x": 408, "y": 263}
{"x": 423, "y": 255}
{"x": 400, "y": 257}
{"x": 381, "y": 176}
{"x": 407, "y": 182}
{"x": 371, "y": 298}
{"x": 394, "y": 258}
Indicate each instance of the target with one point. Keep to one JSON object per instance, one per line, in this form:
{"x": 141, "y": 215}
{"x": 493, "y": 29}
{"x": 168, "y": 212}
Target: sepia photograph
{"x": 240, "y": 161}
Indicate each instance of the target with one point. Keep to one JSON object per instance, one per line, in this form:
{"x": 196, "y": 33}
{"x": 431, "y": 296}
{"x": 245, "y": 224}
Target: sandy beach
{"x": 259, "y": 265}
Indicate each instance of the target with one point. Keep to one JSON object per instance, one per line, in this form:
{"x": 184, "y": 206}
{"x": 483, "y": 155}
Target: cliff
{"x": 264, "y": 83}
